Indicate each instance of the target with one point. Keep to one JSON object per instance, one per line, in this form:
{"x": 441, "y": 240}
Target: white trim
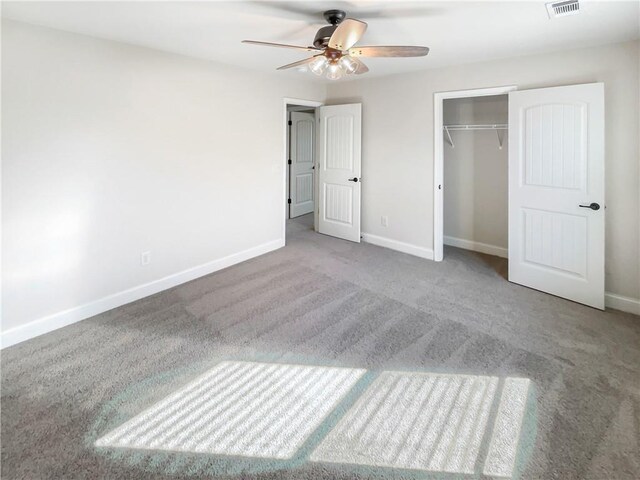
{"x": 285, "y": 130}
{"x": 76, "y": 314}
{"x": 476, "y": 246}
{"x": 620, "y": 302}
{"x": 438, "y": 157}
{"x": 403, "y": 247}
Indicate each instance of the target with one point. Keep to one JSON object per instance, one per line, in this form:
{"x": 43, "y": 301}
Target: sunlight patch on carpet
{"x": 246, "y": 409}
{"x": 506, "y": 430}
{"x": 429, "y": 422}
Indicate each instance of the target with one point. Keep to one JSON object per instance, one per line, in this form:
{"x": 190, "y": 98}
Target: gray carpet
{"x": 323, "y": 301}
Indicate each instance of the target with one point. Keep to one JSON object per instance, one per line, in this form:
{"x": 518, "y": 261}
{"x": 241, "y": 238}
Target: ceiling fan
{"x": 335, "y": 50}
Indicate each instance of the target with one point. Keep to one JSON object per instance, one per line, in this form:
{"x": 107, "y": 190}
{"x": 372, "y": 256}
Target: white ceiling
{"x": 456, "y": 32}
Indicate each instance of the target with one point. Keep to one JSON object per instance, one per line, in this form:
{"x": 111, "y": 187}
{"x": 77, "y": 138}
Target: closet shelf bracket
{"x": 497, "y": 127}
{"x": 446, "y": 129}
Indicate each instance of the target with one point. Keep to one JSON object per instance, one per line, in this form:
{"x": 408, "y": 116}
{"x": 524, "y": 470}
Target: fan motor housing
{"x": 321, "y": 39}
{"x": 334, "y": 17}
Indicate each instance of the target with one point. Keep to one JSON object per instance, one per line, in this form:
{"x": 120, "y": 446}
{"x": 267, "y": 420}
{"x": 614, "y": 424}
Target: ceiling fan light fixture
{"x": 335, "y": 53}
{"x": 348, "y": 65}
{"x": 319, "y": 65}
{"x": 334, "y": 72}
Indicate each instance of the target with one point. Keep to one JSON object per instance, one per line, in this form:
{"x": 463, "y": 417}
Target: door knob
{"x": 354, "y": 179}
{"x": 592, "y": 206}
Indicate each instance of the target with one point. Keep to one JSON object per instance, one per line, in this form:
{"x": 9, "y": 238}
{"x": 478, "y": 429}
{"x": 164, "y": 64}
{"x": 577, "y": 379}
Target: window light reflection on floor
{"x": 240, "y": 408}
{"x": 430, "y": 422}
{"x": 408, "y": 420}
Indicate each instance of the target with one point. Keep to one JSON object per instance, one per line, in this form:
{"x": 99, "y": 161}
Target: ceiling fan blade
{"x": 362, "y": 68}
{"x": 281, "y": 45}
{"x": 387, "y": 51}
{"x": 298, "y": 63}
{"x": 348, "y": 32}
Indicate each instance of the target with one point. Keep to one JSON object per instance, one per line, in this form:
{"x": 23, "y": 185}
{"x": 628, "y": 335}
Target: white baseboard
{"x": 76, "y": 314}
{"x": 620, "y": 302}
{"x": 403, "y": 247}
{"x": 476, "y": 246}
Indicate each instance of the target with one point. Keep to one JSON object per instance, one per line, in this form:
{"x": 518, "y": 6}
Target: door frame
{"x": 298, "y": 102}
{"x": 438, "y": 156}
{"x": 308, "y": 115}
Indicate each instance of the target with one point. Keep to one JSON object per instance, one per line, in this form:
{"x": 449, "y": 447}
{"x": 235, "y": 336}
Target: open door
{"x": 301, "y": 156}
{"x": 339, "y": 162}
{"x": 556, "y": 191}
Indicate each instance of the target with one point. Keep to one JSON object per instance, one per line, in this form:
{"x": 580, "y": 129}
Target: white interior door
{"x": 556, "y": 191}
{"x": 301, "y": 156}
{"x": 339, "y": 162}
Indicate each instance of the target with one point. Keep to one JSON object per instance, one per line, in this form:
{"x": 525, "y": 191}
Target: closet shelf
{"x": 496, "y": 126}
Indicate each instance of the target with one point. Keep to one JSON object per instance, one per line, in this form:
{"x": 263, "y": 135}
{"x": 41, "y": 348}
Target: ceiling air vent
{"x": 562, "y": 9}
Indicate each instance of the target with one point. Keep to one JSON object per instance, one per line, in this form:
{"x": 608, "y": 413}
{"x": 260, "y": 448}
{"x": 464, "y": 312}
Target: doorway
{"x": 475, "y": 174}
{"x": 323, "y": 167}
{"x": 300, "y": 182}
{"x": 440, "y": 134}
{"x": 301, "y": 160}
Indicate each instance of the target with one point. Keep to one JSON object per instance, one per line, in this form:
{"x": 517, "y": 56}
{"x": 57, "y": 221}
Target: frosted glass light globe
{"x": 319, "y": 65}
{"x": 334, "y": 72}
{"x": 348, "y": 65}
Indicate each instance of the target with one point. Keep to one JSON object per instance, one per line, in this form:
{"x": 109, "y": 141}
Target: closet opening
{"x": 471, "y": 174}
{"x": 475, "y": 174}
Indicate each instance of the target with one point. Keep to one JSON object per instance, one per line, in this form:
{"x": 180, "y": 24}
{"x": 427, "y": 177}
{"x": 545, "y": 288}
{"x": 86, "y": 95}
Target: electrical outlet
{"x": 145, "y": 258}
{"x": 384, "y": 220}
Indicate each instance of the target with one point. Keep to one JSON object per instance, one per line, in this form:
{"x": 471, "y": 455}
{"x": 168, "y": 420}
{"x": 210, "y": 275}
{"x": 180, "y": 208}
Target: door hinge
{"x": 290, "y": 122}
{"x": 288, "y": 200}
{"x": 289, "y": 161}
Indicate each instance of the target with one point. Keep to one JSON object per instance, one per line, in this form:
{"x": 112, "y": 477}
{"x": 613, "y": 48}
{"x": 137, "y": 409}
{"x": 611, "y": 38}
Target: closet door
{"x": 556, "y": 191}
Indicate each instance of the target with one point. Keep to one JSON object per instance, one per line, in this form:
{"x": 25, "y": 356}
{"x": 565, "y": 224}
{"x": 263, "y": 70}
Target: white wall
{"x": 110, "y": 150}
{"x": 397, "y": 153}
{"x": 475, "y": 174}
